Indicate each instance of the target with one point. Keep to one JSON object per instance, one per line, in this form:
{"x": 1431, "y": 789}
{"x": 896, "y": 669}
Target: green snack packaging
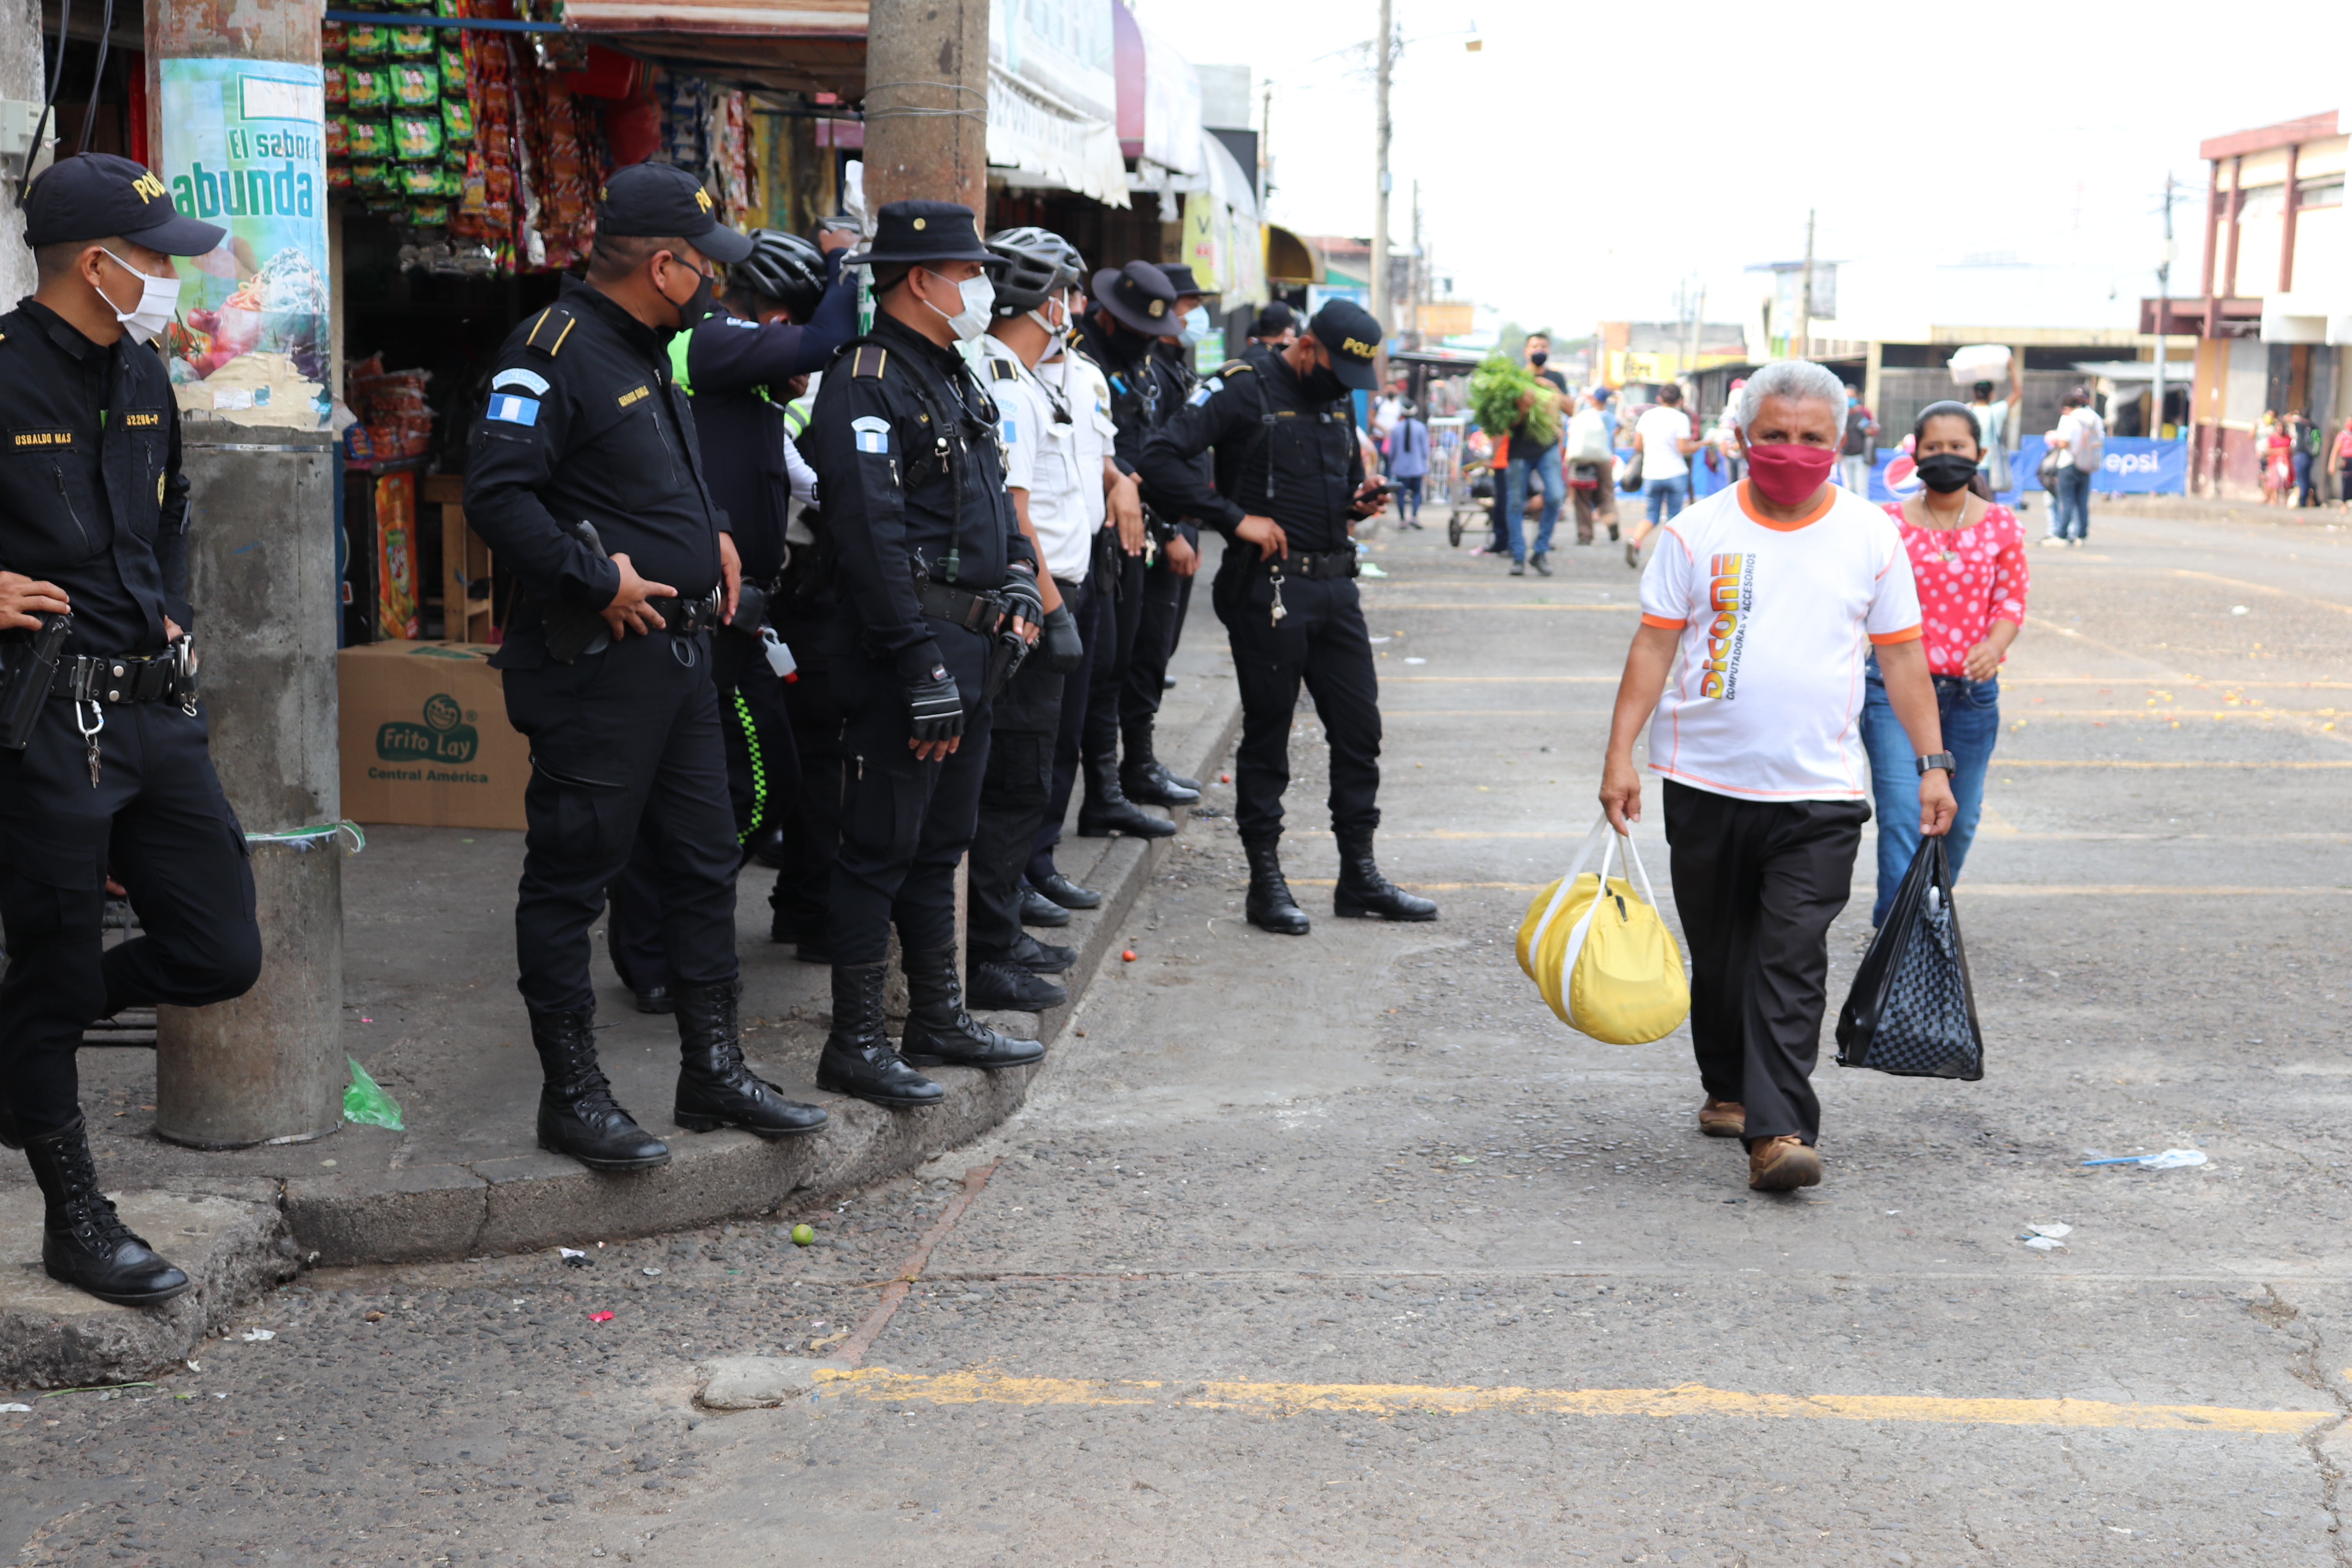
{"x": 363, "y": 41}
{"x": 433, "y": 213}
{"x": 416, "y": 139}
{"x": 413, "y": 43}
{"x": 368, "y": 140}
{"x": 370, "y": 174}
{"x": 425, "y": 179}
{"x": 367, "y": 90}
{"x": 453, "y": 64}
{"x": 416, "y": 84}
{"x": 457, "y": 122}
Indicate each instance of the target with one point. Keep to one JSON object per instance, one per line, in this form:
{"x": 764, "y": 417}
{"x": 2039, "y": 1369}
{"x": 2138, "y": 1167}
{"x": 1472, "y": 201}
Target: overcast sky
{"x": 1588, "y": 157}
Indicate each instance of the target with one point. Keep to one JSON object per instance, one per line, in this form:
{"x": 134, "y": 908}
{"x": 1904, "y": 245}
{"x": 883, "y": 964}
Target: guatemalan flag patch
{"x": 873, "y": 434}
{"x": 513, "y": 409}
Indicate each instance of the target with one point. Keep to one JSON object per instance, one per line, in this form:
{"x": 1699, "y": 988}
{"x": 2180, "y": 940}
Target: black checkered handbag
{"x": 1911, "y": 1011}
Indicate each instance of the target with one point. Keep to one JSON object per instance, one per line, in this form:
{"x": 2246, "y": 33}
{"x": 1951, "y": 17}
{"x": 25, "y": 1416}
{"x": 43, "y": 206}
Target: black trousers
{"x": 905, "y": 825}
{"x": 1093, "y": 610}
{"x": 158, "y": 821}
{"x": 1118, "y": 577}
{"x": 802, "y": 900}
{"x": 1166, "y": 598}
{"x": 1321, "y": 640}
{"x": 763, "y": 788}
{"x": 1013, "y": 791}
{"x": 1758, "y": 883}
{"x": 623, "y": 743}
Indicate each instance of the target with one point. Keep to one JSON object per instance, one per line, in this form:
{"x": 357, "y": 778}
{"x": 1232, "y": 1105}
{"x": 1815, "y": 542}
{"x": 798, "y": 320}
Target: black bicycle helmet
{"x": 784, "y": 268}
{"x": 1037, "y": 262}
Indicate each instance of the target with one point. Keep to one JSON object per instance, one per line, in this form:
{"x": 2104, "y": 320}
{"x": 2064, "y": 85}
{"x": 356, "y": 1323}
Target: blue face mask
{"x": 1196, "y": 326}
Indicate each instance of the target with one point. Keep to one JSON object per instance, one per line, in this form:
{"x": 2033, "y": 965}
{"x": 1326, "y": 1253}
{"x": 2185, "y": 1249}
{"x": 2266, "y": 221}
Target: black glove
{"x": 1022, "y": 599}
{"x": 934, "y": 706}
{"x": 1063, "y": 649}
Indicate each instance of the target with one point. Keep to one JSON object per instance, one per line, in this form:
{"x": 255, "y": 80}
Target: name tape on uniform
{"x": 514, "y": 410}
{"x": 530, "y": 382}
{"x": 634, "y": 395}
{"x": 873, "y": 434}
{"x": 40, "y": 437}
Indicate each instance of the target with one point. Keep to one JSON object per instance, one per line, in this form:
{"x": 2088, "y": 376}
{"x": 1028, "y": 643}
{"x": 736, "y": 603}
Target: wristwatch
{"x": 1944, "y": 760}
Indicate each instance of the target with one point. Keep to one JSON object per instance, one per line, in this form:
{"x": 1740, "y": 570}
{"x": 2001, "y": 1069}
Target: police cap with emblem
{"x": 1180, "y": 278}
{"x": 94, "y": 195}
{"x": 1349, "y": 330}
{"x": 920, "y": 233}
{"x": 662, "y": 201}
{"x": 1138, "y": 295}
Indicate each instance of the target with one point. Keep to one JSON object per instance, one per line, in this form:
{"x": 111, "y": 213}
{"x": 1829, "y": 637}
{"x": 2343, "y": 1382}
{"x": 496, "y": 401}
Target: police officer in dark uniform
{"x": 741, "y": 364}
{"x": 938, "y": 595}
{"x": 1289, "y": 479}
{"x": 104, "y": 770}
{"x": 586, "y": 476}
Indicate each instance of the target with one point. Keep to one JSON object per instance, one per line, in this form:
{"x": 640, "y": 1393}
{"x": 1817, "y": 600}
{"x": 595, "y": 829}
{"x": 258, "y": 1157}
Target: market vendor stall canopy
{"x": 798, "y": 46}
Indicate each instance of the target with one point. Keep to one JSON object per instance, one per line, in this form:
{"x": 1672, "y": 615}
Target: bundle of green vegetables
{"x": 1495, "y": 388}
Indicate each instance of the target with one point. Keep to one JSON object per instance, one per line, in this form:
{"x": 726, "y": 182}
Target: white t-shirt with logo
{"x": 1661, "y": 428}
{"x": 1042, "y": 457}
{"x": 1776, "y": 619}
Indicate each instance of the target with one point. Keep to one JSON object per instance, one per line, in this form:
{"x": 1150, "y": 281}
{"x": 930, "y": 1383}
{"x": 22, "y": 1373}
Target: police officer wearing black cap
{"x": 1289, "y": 480}
{"x": 939, "y": 597}
{"x": 584, "y": 475}
{"x": 104, "y": 770}
{"x": 1277, "y": 326}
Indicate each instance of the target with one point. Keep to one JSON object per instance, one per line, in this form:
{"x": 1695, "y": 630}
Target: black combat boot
{"x": 1059, "y": 889}
{"x": 714, "y": 1088}
{"x": 577, "y": 1113}
{"x": 1037, "y": 910}
{"x": 857, "y": 1059}
{"x": 998, "y": 984}
{"x": 1042, "y": 957}
{"x": 1144, "y": 778}
{"x": 1106, "y": 811}
{"x": 1270, "y": 906}
{"x": 83, "y": 1242}
{"x": 939, "y": 1030}
{"x": 1363, "y": 893}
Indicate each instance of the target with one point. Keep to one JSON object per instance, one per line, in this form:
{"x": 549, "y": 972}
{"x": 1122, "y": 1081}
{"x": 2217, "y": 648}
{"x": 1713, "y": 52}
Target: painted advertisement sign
{"x": 244, "y": 146}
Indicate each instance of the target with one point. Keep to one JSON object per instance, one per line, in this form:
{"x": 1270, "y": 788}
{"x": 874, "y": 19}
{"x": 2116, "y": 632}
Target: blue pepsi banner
{"x": 2135, "y": 465}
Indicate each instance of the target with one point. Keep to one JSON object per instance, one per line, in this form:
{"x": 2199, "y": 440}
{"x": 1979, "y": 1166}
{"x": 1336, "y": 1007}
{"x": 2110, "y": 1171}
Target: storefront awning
{"x": 1290, "y": 260}
{"x": 797, "y": 46}
{"x": 1032, "y": 132}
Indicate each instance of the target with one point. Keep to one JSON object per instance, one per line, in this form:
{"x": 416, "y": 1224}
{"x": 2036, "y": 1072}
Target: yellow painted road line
{"x": 1688, "y": 1400}
{"x": 2264, "y": 588}
{"x": 2117, "y": 763}
{"x": 2119, "y": 681}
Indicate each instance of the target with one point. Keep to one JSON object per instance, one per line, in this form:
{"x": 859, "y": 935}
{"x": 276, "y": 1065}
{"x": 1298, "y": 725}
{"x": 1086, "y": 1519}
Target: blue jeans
{"x": 2070, "y": 504}
{"x": 1971, "y": 717}
{"x": 1666, "y": 496}
{"x": 1546, "y": 465}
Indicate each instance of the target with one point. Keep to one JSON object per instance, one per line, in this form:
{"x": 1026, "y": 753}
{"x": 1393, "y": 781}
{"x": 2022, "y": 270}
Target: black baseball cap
{"x": 1139, "y": 296}
{"x": 1277, "y": 318}
{"x": 1347, "y": 329}
{"x": 94, "y": 195}
{"x": 919, "y": 233}
{"x": 1180, "y": 279}
{"x": 662, "y": 201}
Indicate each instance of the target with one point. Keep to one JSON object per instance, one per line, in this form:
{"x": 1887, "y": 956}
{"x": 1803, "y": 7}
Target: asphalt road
{"x": 1340, "y": 1249}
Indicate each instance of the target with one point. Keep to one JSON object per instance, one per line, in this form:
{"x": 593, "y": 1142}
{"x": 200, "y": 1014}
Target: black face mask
{"x": 1322, "y": 384}
{"x": 1944, "y": 472}
{"x": 698, "y": 304}
{"x": 1537, "y": 358}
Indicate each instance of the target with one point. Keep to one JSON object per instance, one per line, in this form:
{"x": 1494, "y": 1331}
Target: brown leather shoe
{"x": 1783, "y": 1164}
{"x": 1723, "y": 1117}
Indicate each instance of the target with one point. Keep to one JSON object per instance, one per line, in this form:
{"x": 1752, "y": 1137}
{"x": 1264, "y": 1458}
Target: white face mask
{"x": 978, "y": 302}
{"x": 1196, "y": 325}
{"x": 1060, "y": 305}
{"x": 159, "y": 301}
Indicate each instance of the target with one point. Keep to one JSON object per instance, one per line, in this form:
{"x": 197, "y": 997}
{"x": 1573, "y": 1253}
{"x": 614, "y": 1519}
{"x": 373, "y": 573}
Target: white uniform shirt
{"x": 1040, "y": 433}
{"x": 1775, "y": 618}
{"x": 1084, "y": 388}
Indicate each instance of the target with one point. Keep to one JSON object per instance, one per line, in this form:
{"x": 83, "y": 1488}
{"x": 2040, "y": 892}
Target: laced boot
{"x": 577, "y": 1113}
{"x": 857, "y": 1059}
{"x": 1144, "y": 778}
{"x": 999, "y": 984}
{"x": 1269, "y": 905}
{"x": 84, "y": 1243}
{"x": 1106, "y": 811}
{"x": 939, "y": 1030}
{"x": 1363, "y": 893}
{"x": 714, "y": 1087}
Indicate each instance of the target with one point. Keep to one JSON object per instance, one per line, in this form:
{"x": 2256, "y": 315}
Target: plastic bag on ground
{"x": 1911, "y": 1011}
{"x": 366, "y": 1103}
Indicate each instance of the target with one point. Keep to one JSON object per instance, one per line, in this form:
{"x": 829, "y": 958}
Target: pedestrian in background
{"x": 2082, "y": 440}
{"x": 1968, "y": 563}
{"x": 1662, "y": 441}
{"x": 2344, "y": 466}
{"x": 1408, "y": 457}
{"x": 2270, "y": 451}
{"x": 1856, "y": 450}
{"x": 1996, "y": 420}
{"x": 1536, "y": 462}
{"x": 1758, "y": 605}
{"x": 1591, "y": 470}
{"x": 2302, "y": 445}
{"x": 1277, "y": 326}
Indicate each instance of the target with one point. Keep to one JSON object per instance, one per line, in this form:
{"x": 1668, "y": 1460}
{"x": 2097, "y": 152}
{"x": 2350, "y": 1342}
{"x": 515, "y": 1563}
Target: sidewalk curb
{"x": 444, "y": 1213}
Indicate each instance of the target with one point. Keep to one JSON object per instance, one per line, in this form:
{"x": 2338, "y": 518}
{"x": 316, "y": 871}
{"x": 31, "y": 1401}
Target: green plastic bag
{"x": 366, "y": 1103}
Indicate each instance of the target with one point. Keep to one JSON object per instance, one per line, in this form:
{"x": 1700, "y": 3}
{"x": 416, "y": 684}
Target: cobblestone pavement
{"x": 1340, "y": 1249}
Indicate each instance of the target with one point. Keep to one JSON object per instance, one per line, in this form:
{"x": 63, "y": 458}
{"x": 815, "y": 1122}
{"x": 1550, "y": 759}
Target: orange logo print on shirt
{"x": 1731, "y": 594}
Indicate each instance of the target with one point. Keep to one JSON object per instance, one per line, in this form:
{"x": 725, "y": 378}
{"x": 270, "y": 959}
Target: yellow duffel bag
{"x": 1613, "y": 970}
{"x": 1560, "y": 903}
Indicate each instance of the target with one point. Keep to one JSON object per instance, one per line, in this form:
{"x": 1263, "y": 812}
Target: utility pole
{"x": 927, "y": 103}
{"x": 1415, "y": 271}
{"x": 1803, "y": 347}
{"x": 1265, "y": 147}
{"x": 1698, "y": 317}
{"x": 1386, "y": 44}
{"x": 2163, "y": 291}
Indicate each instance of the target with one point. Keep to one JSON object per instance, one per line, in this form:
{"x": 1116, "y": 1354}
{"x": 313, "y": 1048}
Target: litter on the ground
{"x": 653, "y": 1273}
{"x": 2048, "y": 1237}
{"x": 1416, "y": 661}
{"x": 575, "y": 1258}
{"x": 2170, "y": 1159}
{"x": 600, "y": 1317}
{"x": 365, "y": 1102}
{"x": 255, "y": 1336}
{"x": 15, "y": 1410}
{"x": 571, "y": 1252}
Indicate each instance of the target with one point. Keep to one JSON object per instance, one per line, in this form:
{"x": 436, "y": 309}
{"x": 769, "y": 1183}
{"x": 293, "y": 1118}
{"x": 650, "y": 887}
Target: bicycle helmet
{"x": 1037, "y": 263}
{"x": 784, "y": 268}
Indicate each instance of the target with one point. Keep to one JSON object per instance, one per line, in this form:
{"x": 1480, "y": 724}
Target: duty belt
{"x": 1306, "y": 566}
{"x": 686, "y": 616}
{"x": 972, "y": 611}
{"x": 121, "y": 677}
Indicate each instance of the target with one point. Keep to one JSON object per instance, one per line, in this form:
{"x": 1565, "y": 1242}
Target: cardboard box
{"x": 425, "y": 737}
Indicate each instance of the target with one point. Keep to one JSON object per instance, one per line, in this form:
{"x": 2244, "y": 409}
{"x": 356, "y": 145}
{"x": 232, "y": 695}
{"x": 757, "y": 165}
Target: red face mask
{"x": 1788, "y": 474}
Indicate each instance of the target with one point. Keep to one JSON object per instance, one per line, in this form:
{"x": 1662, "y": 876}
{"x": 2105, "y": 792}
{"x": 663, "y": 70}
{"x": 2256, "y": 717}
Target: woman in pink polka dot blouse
{"x": 1967, "y": 557}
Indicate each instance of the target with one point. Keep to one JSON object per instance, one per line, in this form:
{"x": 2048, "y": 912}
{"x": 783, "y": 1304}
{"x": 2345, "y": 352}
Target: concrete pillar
{"x": 20, "y": 78}
{"x": 267, "y": 1068}
{"x": 927, "y": 102}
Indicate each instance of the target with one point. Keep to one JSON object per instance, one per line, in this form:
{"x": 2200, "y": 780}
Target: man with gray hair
{"x": 1758, "y": 607}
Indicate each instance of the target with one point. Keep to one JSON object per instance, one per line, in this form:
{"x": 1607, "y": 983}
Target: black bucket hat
{"x": 1139, "y": 296}
{"x": 922, "y": 232}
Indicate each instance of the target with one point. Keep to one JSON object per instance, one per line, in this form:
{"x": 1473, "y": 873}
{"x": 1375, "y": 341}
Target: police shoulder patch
{"x": 1235, "y": 367}
{"x": 867, "y": 359}
{"x": 512, "y": 408}
{"x": 1206, "y": 391}
{"x": 527, "y": 381}
{"x": 1003, "y": 369}
{"x": 549, "y": 330}
{"x": 872, "y": 434}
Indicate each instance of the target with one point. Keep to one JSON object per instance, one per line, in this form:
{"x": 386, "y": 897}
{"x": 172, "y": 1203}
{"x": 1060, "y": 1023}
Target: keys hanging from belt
{"x": 90, "y": 733}
{"x": 1274, "y": 617}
